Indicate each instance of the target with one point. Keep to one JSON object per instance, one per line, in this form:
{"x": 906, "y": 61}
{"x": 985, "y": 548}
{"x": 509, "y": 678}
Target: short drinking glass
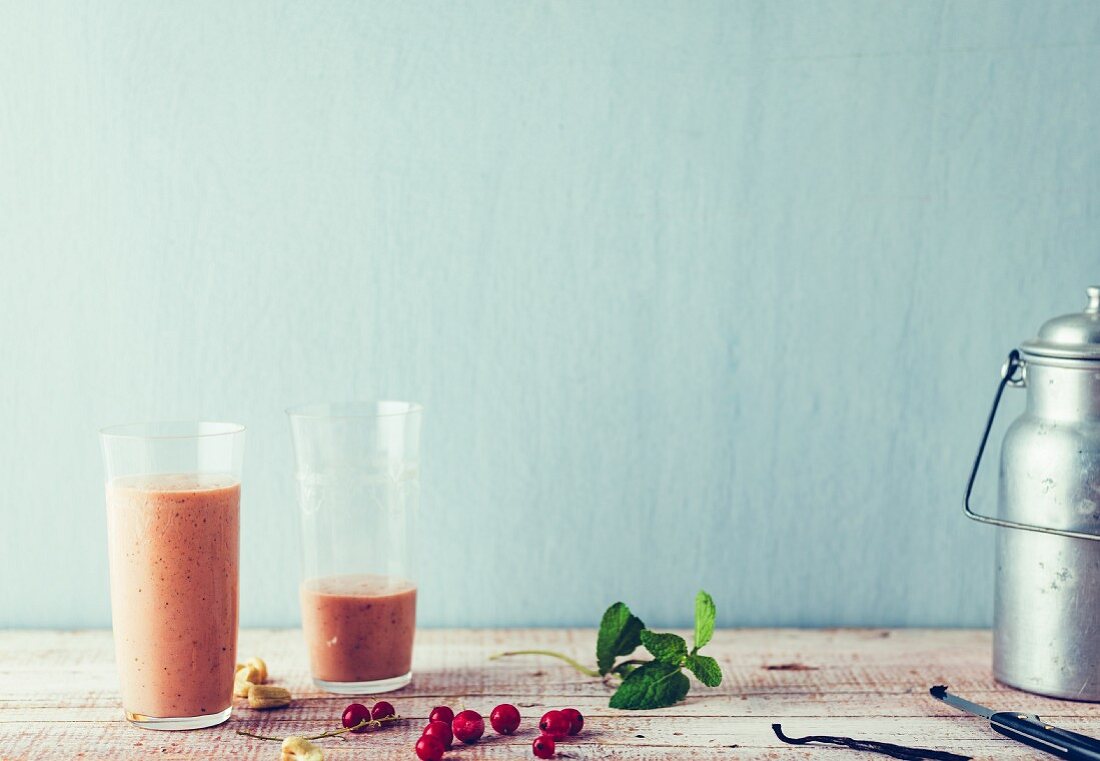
{"x": 357, "y": 469}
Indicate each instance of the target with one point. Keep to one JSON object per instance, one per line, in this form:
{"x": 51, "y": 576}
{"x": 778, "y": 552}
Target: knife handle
{"x": 1033, "y": 731}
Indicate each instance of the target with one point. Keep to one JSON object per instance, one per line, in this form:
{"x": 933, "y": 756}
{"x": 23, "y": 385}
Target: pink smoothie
{"x": 174, "y": 554}
{"x": 359, "y": 628}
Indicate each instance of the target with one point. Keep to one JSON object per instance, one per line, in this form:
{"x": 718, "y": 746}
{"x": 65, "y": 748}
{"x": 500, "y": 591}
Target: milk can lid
{"x": 1071, "y": 336}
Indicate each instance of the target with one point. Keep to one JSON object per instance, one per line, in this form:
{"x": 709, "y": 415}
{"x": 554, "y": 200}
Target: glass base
{"x": 185, "y": 722}
{"x": 365, "y": 688}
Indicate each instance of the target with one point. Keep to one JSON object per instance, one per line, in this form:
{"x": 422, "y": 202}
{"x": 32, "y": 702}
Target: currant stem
{"x": 560, "y": 656}
{"x": 369, "y": 723}
{"x": 334, "y": 732}
{"x": 246, "y": 733}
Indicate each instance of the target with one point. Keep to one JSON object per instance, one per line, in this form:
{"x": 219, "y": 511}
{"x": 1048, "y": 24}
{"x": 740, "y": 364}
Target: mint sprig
{"x": 662, "y": 682}
{"x": 646, "y": 684}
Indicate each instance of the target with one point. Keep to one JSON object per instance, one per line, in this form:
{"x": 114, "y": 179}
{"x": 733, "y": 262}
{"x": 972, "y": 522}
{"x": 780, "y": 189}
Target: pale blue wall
{"x": 695, "y": 293}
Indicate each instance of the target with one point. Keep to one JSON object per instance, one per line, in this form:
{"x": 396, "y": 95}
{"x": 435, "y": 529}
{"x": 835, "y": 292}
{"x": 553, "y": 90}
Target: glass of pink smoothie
{"x": 173, "y": 531}
{"x": 357, "y": 469}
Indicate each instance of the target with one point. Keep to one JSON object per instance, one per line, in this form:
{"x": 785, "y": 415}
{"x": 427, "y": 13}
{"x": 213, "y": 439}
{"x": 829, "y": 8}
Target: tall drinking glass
{"x": 173, "y": 530}
{"x": 357, "y": 469}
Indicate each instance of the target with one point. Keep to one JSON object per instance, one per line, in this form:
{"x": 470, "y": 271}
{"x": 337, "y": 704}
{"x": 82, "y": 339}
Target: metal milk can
{"x": 1046, "y": 623}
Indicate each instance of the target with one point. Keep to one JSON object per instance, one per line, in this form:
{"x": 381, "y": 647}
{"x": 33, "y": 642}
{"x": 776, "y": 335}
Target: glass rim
{"x": 353, "y": 409}
{"x": 164, "y": 429}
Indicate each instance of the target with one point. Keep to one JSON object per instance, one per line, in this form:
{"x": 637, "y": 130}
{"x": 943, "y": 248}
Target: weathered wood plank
{"x": 58, "y": 697}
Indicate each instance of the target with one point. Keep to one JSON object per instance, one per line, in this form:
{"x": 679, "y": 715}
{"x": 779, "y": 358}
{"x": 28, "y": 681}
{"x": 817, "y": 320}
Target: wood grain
{"x": 58, "y": 697}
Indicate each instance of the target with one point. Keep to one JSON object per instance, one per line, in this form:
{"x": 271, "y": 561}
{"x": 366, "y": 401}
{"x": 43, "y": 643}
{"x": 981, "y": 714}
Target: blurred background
{"x": 695, "y": 294}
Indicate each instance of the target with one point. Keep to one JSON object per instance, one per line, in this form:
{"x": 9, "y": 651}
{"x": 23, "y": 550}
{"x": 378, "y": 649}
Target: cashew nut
{"x": 260, "y": 667}
{"x": 245, "y": 677}
{"x": 300, "y": 749}
{"x": 264, "y": 696}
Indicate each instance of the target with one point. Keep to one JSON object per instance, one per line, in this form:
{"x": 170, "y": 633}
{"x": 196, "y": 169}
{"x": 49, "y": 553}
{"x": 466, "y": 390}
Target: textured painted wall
{"x": 696, "y": 294}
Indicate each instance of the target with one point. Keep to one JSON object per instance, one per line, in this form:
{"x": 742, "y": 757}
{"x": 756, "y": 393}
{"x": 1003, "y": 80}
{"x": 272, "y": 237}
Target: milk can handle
{"x": 1008, "y": 375}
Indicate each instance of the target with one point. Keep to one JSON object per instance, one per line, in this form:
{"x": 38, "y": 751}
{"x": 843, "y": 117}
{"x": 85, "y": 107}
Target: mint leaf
{"x": 669, "y": 648}
{"x": 620, "y": 634}
{"x": 706, "y": 669}
{"x": 704, "y": 619}
{"x": 652, "y": 685}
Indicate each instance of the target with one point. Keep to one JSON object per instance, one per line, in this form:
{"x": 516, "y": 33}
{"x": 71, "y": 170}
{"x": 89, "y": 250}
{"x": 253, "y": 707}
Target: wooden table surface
{"x": 59, "y": 700}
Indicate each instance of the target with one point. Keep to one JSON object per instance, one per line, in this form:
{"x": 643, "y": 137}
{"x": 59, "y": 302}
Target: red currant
{"x": 429, "y": 748}
{"x": 382, "y": 710}
{"x": 576, "y": 720}
{"x": 442, "y": 713}
{"x": 504, "y": 718}
{"x": 354, "y": 714}
{"x": 543, "y": 746}
{"x": 441, "y": 731}
{"x": 555, "y": 724}
{"x": 468, "y": 726}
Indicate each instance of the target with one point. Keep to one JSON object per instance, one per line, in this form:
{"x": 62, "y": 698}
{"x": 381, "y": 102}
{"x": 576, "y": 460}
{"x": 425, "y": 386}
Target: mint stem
{"x": 560, "y": 656}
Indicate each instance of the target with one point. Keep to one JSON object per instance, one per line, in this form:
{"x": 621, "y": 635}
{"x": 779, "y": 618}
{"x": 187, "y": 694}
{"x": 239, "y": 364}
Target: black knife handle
{"x": 1033, "y": 731}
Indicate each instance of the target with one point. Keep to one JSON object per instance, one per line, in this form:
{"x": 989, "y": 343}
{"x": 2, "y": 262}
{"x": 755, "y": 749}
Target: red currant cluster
{"x": 555, "y": 725}
{"x": 444, "y": 727}
{"x": 358, "y": 718}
